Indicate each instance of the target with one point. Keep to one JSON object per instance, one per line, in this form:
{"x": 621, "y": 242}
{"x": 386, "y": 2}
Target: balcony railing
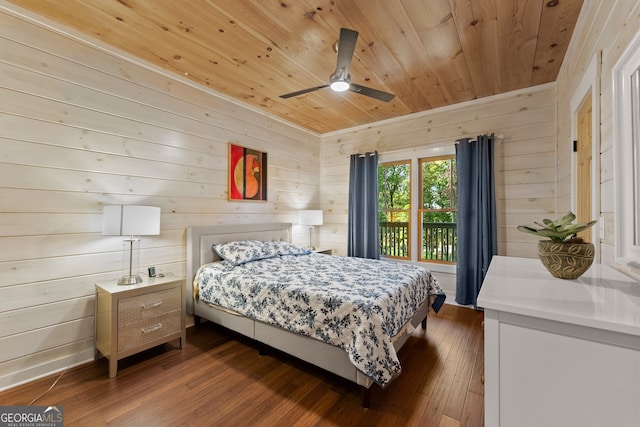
{"x": 438, "y": 240}
{"x": 394, "y": 239}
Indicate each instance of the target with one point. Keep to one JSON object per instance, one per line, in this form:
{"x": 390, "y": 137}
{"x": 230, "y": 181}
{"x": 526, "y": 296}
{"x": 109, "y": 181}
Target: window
{"x": 437, "y": 210}
{"x": 394, "y": 207}
{"x": 626, "y": 145}
{"x": 418, "y": 225}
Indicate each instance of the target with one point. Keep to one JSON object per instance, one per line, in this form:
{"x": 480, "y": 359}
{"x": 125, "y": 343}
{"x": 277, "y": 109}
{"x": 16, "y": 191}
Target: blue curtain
{"x": 477, "y": 235}
{"x": 363, "y": 240}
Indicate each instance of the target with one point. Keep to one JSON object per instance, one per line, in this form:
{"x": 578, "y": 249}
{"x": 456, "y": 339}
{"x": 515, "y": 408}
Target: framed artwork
{"x": 247, "y": 174}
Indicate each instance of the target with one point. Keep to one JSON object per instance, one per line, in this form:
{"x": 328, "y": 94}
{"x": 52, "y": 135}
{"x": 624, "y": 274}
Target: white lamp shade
{"x": 120, "y": 220}
{"x": 310, "y": 217}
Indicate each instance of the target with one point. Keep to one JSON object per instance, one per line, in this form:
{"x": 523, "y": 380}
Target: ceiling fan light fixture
{"x": 339, "y": 85}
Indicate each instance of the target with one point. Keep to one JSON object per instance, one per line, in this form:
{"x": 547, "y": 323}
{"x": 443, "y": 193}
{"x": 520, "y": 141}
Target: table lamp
{"x": 132, "y": 221}
{"x": 310, "y": 218}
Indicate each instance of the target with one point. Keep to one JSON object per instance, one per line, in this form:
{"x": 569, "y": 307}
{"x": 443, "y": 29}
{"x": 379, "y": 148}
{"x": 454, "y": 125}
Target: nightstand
{"x": 323, "y": 251}
{"x": 133, "y": 318}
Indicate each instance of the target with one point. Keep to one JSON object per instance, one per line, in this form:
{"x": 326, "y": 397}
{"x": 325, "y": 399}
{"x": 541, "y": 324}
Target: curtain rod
{"x": 498, "y": 136}
{"x": 365, "y": 154}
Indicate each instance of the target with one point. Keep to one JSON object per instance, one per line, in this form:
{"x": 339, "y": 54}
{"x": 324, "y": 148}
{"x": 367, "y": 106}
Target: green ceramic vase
{"x": 566, "y": 260}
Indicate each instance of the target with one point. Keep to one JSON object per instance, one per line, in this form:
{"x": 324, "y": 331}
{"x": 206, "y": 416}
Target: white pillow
{"x": 286, "y": 248}
{"x": 243, "y": 251}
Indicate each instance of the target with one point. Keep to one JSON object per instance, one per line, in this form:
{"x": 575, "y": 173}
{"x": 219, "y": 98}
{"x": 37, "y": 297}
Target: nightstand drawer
{"x": 148, "y": 306}
{"x": 133, "y": 334}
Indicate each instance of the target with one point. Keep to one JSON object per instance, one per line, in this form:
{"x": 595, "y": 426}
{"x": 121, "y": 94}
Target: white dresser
{"x": 560, "y": 352}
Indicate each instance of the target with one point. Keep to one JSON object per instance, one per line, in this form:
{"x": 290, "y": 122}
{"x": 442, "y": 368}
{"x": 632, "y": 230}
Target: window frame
{"x": 435, "y": 150}
{"x": 408, "y": 211}
{"x": 626, "y": 160}
{"x": 422, "y": 210}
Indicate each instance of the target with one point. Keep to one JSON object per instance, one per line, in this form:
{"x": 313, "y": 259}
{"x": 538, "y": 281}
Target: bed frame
{"x": 333, "y": 359}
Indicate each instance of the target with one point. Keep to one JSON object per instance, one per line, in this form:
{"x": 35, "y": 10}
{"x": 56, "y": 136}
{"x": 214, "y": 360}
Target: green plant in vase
{"x": 565, "y": 255}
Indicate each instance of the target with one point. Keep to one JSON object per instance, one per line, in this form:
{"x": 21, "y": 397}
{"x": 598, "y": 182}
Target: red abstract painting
{"x": 247, "y": 174}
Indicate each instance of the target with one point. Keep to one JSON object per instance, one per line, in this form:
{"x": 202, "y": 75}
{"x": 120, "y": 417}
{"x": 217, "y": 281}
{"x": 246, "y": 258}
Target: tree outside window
{"x": 437, "y": 209}
{"x": 394, "y": 206}
{"x": 435, "y": 205}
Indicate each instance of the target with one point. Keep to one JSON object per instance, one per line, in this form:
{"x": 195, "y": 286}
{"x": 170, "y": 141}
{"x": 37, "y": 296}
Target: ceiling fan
{"x": 340, "y": 80}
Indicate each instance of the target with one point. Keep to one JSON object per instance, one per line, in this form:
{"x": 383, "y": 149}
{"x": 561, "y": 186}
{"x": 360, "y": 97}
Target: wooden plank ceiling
{"x": 429, "y": 53}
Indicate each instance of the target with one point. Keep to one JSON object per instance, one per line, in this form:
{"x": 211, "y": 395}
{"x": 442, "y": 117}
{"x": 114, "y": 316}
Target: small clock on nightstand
{"x": 133, "y": 318}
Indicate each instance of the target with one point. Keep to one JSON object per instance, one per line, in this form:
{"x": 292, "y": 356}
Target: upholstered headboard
{"x": 200, "y": 240}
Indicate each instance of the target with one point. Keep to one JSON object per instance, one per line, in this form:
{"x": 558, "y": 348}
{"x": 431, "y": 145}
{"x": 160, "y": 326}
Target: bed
{"x": 365, "y": 357}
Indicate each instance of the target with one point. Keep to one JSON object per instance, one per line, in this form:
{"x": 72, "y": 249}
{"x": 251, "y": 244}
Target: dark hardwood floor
{"x": 221, "y": 380}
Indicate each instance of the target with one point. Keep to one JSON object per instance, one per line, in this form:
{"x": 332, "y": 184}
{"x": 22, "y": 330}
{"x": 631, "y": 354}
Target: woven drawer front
{"x": 148, "y": 306}
{"x": 133, "y": 334}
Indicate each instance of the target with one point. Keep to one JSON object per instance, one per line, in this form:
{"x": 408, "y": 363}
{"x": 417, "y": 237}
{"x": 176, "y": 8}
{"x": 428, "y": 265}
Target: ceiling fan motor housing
{"x": 340, "y": 80}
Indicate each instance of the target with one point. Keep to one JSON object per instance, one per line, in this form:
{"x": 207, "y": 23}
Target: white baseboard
{"x": 32, "y": 373}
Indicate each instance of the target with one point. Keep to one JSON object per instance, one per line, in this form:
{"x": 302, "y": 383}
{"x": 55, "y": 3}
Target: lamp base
{"x": 130, "y": 280}
{"x": 313, "y": 248}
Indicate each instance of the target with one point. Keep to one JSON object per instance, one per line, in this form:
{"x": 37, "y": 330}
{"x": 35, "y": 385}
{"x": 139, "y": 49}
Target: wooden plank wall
{"x": 604, "y": 31}
{"x": 82, "y": 127}
{"x": 525, "y": 159}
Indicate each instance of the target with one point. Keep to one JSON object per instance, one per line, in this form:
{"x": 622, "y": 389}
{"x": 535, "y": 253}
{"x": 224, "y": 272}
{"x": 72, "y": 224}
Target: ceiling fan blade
{"x": 373, "y": 93}
{"x": 346, "y": 47}
{"x": 302, "y": 92}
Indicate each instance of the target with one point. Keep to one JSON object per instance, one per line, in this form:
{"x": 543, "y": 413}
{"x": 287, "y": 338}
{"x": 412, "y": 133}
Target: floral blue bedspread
{"x": 353, "y": 303}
